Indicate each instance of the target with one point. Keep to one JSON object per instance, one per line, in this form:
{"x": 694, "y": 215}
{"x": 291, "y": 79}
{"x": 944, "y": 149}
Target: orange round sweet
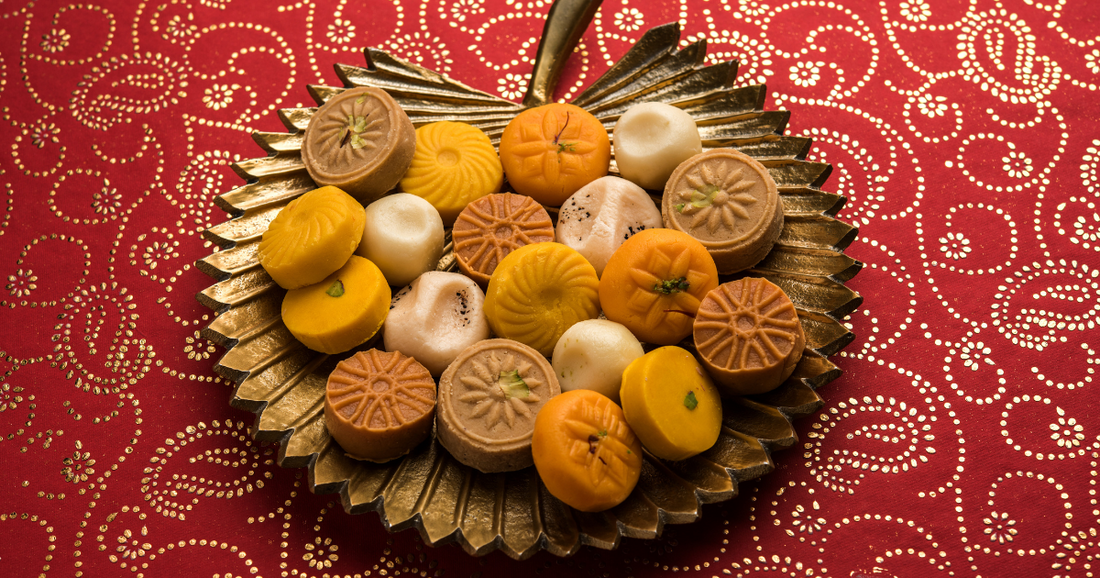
{"x": 550, "y": 151}
{"x": 584, "y": 451}
{"x": 379, "y": 405}
{"x": 654, "y": 282}
{"x": 749, "y": 336}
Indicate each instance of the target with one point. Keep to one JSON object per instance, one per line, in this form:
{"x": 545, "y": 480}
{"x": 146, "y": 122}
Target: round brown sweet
{"x": 379, "y": 405}
{"x": 491, "y": 227}
{"x": 748, "y": 335}
{"x": 488, "y": 399}
{"x": 729, "y": 202}
{"x": 361, "y": 141}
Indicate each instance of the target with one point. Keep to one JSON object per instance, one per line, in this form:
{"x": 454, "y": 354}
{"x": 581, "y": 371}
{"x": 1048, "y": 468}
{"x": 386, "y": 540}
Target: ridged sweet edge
{"x": 283, "y": 382}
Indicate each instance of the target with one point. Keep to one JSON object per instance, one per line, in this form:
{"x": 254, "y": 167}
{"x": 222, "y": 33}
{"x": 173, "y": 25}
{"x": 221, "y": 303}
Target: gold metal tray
{"x": 283, "y": 382}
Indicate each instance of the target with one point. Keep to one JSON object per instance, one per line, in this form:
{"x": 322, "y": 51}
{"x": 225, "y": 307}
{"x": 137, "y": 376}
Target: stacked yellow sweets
{"x": 528, "y": 372}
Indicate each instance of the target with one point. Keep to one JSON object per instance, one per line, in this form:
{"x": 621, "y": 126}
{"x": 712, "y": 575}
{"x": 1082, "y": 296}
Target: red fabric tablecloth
{"x": 961, "y": 441}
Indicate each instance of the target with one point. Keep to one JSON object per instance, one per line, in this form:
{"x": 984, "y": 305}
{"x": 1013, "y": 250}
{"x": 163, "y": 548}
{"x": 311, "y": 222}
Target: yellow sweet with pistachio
{"x": 343, "y": 311}
{"x": 454, "y": 164}
{"x": 671, "y": 403}
{"x": 311, "y": 237}
{"x": 538, "y": 291}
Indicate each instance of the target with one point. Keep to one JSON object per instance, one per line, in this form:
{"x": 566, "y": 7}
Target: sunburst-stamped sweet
{"x": 491, "y": 227}
{"x": 379, "y": 405}
{"x": 361, "y": 141}
{"x": 729, "y": 203}
{"x": 748, "y": 336}
{"x": 488, "y": 400}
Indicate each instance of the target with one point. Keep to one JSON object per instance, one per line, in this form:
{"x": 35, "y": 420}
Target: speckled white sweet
{"x": 603, "y": 214}
{"x": 403, "y": 236}
{"x": 593, "y": 354}
{"x": 435, "y": 318}
{"x": 651, "y": 139}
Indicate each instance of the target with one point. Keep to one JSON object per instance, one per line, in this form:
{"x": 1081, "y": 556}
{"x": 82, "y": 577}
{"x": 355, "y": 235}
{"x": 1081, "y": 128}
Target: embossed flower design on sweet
{"x": 501, "y": 389}
{"x": 955, "y": 245}
{"x": 21, "y": 283}
{"x": 1067, "y": 432}
{"x": 55, "y": 40}
{"x": 999, "y": 527}
{"x": 717, "y": 197}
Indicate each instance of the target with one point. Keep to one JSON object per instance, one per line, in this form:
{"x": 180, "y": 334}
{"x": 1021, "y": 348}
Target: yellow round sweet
{"x": 344, "y": 310}
{"x": 538, "y": 291}
{"x": 671, "y": 403}
{"x": 454, "y": 164}
{"x": 311, "y": 237}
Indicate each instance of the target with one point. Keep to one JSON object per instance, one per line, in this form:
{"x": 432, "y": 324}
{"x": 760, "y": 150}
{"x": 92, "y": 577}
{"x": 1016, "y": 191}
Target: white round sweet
{"x": 592, "y": 355}
{"x": 596, "y": 219}
{"x": 651, "y": 140}
{"x": 403, "y": 235}
{"x": 435, "y": 318}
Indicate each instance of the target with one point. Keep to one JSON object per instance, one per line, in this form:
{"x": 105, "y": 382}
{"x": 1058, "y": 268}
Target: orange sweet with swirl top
{"x": 454, "y": 164}
{"x": 550, "y": 151}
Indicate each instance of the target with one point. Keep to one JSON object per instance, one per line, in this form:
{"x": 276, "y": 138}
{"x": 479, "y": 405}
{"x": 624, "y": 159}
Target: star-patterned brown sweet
{"x": 748, "y": 335}
{"x": 379, "y": 405}
{"x": 490, "y": 228}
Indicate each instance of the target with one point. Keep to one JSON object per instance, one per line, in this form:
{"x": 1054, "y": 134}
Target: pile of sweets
{"x": 533, "y": 353}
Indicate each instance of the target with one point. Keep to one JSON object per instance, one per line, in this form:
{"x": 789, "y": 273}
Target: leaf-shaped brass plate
{"x": 283, "y": 382}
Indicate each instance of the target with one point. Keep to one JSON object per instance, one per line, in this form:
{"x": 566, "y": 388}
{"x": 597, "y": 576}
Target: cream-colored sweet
{"x": 651, "y": 140}
{"x": 403, "y": 235}
{"x": 488, "y": 400}
{"x": 436, "y": 318}
{"x": 603, "y": 214}
{"x": 727, "y": 201}
{"x": 593, "y": 354}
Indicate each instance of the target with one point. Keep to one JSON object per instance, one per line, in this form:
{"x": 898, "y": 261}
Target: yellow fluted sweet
{"x": 454, "y": 164}
{"x": 311, "y": 237}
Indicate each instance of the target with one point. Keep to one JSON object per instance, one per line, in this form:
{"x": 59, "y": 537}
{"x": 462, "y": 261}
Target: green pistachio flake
{"x": 670, "y": 286}
{"x": 336, "y": 290}
{"x": 513, "y": 385}
{"x": 690, "y": 402}
{"x": 361, "y": 99}
{"x": 679, "y": 207}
